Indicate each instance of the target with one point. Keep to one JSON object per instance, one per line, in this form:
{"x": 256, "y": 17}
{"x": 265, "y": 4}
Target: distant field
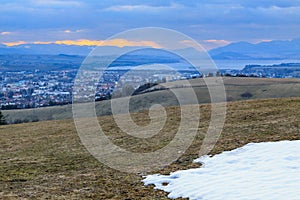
{"x": 45, "y": 160}
{"x": 236, "y": 89}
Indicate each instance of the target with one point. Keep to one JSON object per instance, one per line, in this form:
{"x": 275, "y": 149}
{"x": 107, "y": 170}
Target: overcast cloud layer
{"x": 213, "y": 21}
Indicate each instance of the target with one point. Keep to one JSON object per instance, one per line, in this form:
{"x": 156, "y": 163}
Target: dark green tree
{"x": 2, "y": 119}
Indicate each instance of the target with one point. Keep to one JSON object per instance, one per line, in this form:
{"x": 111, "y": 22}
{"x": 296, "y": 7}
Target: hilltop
{"x": 47, "y": 160}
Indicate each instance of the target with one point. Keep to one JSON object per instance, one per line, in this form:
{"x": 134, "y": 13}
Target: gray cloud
{"x": 202, "y": 19}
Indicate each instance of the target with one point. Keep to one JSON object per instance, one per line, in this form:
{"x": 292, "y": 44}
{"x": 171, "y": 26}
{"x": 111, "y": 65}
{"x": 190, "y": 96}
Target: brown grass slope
{"x": 45, "y": 160}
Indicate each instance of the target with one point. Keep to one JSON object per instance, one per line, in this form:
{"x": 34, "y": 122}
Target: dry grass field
{"x": 45, "y": 160}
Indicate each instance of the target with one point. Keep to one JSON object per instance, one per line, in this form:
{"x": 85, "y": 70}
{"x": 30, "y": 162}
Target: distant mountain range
{"x": 56, "y": 49}
{"x": 45, "y": 49}
{"x": 278, "y": 49}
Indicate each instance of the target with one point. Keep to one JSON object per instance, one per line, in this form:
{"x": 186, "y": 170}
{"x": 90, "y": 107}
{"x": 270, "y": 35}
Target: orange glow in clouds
{"x": 217, "y": 41}
{"x": 40, "y": 42}
{"x": 114, "y": 42}
{"x": 5, "y": 33}
{"x": 10, "y": 44}
{"x": 85, "y": 42}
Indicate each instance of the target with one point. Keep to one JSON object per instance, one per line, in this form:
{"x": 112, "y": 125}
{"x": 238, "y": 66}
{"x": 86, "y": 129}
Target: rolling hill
{"x": 45, "y": 160}
{"x": 236, "y": 88}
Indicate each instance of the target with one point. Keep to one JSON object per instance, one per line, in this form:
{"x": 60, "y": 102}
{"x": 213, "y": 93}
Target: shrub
{"x": 2, "y": 119}
{"x": 246, "y": 95}
{"x": 17, "y": 121}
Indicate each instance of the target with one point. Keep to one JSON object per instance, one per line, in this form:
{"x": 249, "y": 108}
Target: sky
{"x": 212, "y": 22}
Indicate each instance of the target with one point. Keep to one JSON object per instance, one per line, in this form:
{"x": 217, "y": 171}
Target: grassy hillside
{"x": 236, "y": 89}
{"x": 47, "y": 160}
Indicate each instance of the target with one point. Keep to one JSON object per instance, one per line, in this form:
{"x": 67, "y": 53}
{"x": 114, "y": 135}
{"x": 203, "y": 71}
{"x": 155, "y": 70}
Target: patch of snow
{"x": 269, "y": 170}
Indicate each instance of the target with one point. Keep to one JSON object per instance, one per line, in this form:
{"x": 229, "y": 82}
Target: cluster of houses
{"x": 33, "y": 89}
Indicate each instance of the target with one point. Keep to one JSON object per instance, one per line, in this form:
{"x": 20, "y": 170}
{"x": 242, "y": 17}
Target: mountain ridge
{"x": 276, "y": 49}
